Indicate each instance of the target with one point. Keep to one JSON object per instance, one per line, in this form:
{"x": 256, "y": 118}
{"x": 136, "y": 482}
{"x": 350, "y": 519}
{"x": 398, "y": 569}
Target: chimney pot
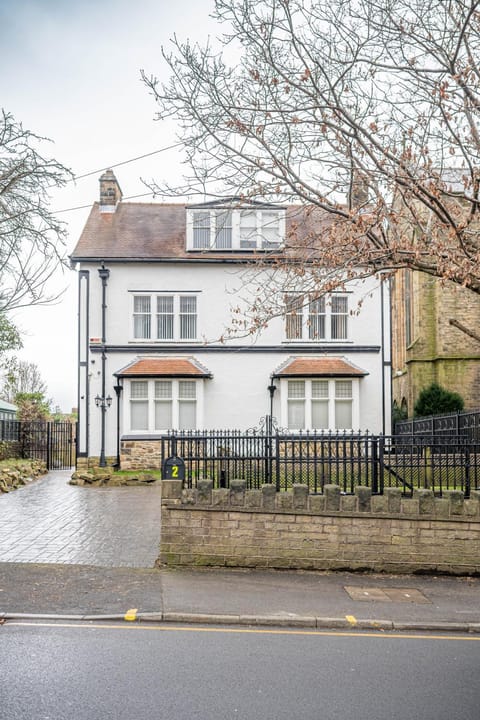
{"x": 110, "y": 192}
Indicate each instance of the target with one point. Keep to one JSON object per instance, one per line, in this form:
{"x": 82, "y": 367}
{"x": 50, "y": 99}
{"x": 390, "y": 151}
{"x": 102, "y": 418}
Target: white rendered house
{"x": 160, "y": 285}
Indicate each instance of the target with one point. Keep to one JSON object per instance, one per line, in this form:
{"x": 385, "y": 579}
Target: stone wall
{"x": 439, "y": 351}
{"x": 265, "y": 529}
{"x": 16, "y": 473}
{"x": 140, "y": 454}
{"x": 10, "y": 449}
{"x": 134, "y": 455}
{"x": 87, "y": 463}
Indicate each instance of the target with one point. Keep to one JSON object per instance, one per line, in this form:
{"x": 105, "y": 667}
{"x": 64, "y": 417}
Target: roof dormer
{"x": 234, "y": 225}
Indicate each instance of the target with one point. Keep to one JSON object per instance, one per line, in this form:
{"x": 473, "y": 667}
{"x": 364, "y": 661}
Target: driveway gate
{"x": 49, "y": 441}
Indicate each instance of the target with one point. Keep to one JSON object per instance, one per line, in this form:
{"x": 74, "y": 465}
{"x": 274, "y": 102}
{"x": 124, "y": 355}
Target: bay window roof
{"x": 318, "y": 367}
{"x": 164, "y": 367}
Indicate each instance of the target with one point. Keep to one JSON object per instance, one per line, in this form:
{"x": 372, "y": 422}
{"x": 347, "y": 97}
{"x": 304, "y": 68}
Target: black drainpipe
{"x": 104, "y": 274}
{"x": 118, "y": 391}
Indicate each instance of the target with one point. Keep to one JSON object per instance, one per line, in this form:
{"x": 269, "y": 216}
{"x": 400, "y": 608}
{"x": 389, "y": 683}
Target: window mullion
{"x": 175, "y": 409}
{"x": 153, "y": 317}
{"x": 213, "y": 231}
{"x": 176, "y": 317}
{"x": 151, "y": 405}
{"x": 308, "y": 404}
{"x": 235, "y": 229}
{"x": 331, "y": 404}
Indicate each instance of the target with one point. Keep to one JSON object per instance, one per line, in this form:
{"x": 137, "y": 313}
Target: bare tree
{"x": 21, "y": 378}
{"x": 31, "y": 238}
{"x": 367, "y": 110}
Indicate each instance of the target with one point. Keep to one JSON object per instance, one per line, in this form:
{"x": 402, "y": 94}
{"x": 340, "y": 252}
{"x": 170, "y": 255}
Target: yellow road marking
{"x": 351, "y": 619}
{"x": 247, "y": 631}
{"x": 131, "y": 615}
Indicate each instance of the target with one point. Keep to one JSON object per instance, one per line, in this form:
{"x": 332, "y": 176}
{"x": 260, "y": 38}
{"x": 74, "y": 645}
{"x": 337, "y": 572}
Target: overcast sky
{"x": 71, "y": 72}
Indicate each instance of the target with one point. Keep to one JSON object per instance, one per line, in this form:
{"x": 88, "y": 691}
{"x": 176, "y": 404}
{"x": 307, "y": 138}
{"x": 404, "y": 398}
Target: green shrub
{"x": 398, "y": 413}
{"x": 435, "y": 400}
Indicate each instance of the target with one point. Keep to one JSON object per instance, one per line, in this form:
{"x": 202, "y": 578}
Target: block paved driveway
{"x": 50, "y": 521}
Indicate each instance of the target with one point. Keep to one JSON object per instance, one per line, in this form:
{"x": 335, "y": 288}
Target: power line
{"x": 125, "y": 162}
{"x": 82, "y": 207}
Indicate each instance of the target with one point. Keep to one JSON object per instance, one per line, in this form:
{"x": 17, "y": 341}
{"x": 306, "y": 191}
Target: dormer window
{"x": 212, "y": 230}
{"x": 223, "y": 230}
{"x": 240, "y": 229}
{"x": 201, "y": 230}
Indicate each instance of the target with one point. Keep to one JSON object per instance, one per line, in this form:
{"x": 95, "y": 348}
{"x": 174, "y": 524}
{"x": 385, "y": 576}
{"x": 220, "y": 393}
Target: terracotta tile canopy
{"x": 318, "y": 367}
{"x": 164, "y": 367}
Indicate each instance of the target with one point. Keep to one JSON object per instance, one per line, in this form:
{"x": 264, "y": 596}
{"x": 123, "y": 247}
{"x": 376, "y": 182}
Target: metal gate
{"x": 49, "y": 441}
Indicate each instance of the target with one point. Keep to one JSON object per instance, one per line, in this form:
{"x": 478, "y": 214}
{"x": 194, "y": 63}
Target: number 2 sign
{"x": 173, "y": 469}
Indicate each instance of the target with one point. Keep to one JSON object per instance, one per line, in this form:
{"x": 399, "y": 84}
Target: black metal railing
{"x": 459, "y": 423}
{"x": 314, "y": 459}
{"x": 49, "y": 441}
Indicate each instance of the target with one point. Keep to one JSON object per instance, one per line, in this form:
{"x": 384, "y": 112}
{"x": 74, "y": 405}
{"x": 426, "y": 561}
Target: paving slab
{"x": 285, "y": 597}
{"x": 50, "y": 521}
{"x": 452, "y": 599}
{"x": 77, "y": 589}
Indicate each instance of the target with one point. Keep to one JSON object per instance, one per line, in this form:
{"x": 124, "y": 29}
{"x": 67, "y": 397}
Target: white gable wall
{"x": 237, "y": 395}
{"x": 219, "y": 289}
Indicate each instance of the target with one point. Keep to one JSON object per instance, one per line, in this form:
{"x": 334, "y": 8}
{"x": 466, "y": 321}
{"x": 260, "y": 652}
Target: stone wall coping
{"x": 465, "y": 520}
{"x": 452, "y": 507}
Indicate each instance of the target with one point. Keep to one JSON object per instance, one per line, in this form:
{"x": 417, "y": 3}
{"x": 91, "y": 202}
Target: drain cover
{"x": 404, "y": 595}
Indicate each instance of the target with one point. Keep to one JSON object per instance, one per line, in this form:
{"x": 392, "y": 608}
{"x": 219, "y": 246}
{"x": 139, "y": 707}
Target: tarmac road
{"x": 98, "y": 672}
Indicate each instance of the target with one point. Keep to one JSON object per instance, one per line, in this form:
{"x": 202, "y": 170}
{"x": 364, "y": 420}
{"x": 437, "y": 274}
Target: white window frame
{"x": 178, "y": 313}
{"x": 151, "y": 399}
{"x": 332, "y": 400}
{"x": 234, "y": 217}
{"x": 304, "y": 323}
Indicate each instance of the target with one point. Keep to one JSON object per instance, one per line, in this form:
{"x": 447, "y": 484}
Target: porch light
{"x": 102, "y": 402}
{"x": 271, "y": 389}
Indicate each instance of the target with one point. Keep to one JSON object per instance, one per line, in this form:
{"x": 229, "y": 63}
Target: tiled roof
{"x": 164, "y": 367}
{"x": 150, "y": 231}
{"x": 318, "y": 367}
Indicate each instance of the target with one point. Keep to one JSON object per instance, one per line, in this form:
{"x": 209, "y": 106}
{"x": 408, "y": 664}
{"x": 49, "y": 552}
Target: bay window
{"x": 160, "y": 405}
{"x": 139, "y": 405}
{"x": 320, "y": 404}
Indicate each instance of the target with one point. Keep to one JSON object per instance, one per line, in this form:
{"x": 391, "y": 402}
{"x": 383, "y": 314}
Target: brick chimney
{"x": 358, "y": 195}
{"x": 110, "y": 192}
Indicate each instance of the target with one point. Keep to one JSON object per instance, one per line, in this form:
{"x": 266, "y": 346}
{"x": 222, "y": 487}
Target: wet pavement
{"x": 83, "y": 551}
{"x": 328, "y": 599}
{"x": 50, "y": 521}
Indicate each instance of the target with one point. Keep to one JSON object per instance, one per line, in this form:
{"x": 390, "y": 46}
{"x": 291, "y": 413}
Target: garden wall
{"x": 265, "y": 529}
